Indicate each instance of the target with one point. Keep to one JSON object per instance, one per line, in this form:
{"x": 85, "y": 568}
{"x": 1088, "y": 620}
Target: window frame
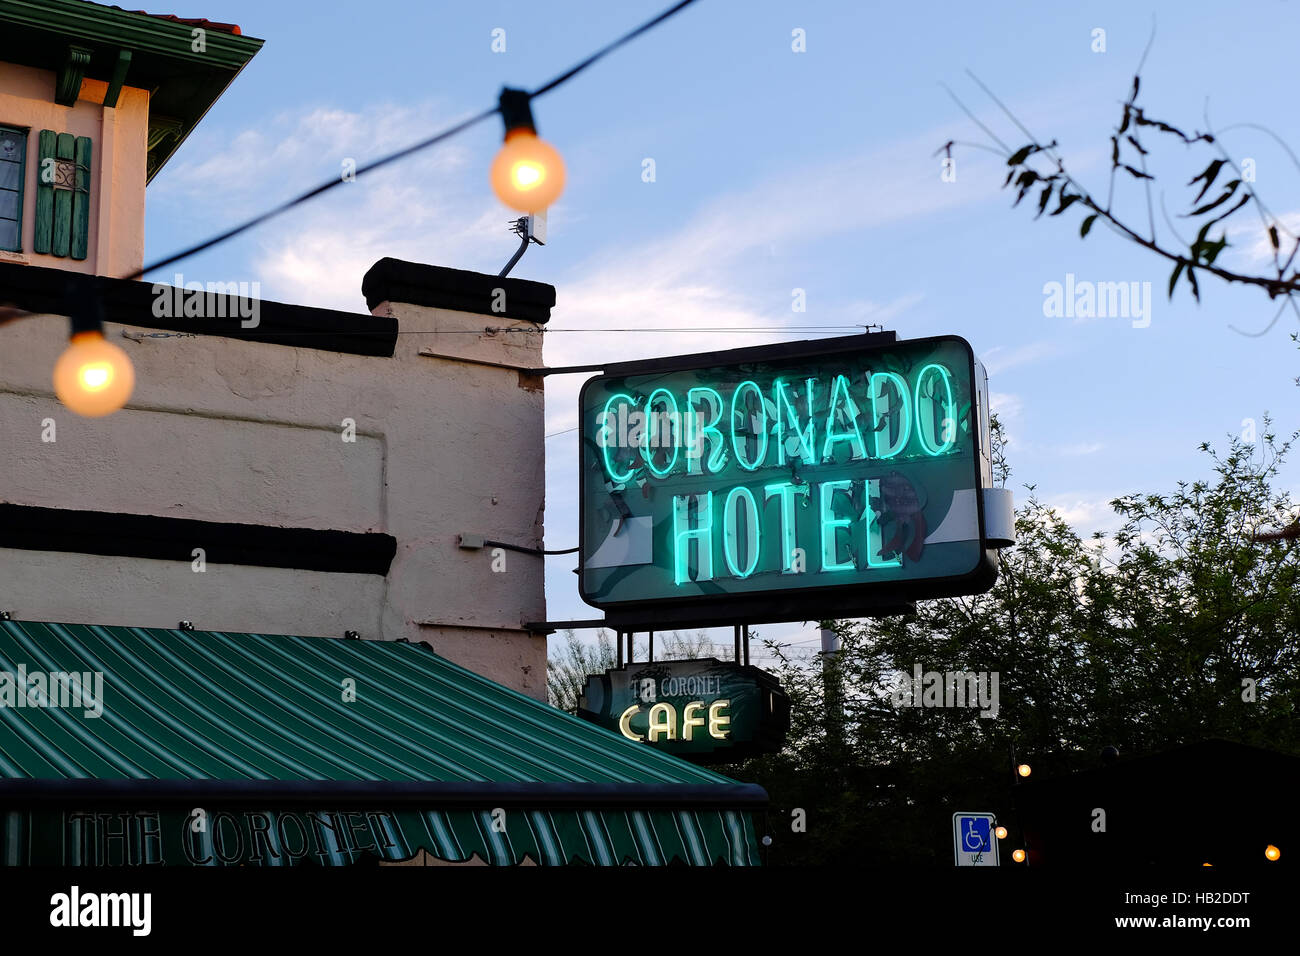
{"x": 25, "y": 133}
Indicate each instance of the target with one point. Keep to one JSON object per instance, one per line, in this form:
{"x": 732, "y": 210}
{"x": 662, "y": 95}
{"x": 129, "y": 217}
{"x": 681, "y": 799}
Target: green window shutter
{"x": 44, "y": 191}
{"x": 81, "y": 200}
{"x": 61, "y": 244}
{"x": 13, "y": 167}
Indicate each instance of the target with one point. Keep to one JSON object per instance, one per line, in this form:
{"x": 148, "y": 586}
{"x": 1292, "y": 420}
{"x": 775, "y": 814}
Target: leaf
{"x": 1210, "y": 251}
{"x": 1066, "y": 203}
{"x": 1272, "y": 235}
{"x": 1136, "y": 144}
{"x": 1173, "y": 279}
{"x": 1007, "y": 182}
{"x": 1196, "y": 290}
{"x": 1044, "y": 198}
{"x": 1228, "y": 190}
{"x": 1136, "y": 173}
{"x": 1020, "y": 155}
{"x": 1209, "y": 174}
{"x": 1124, "y": 122}
{"x": 1087, "y": 225}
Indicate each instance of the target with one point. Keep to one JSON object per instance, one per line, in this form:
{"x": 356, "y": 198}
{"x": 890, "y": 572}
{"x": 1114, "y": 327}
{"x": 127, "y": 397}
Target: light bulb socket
{"x": 517, "y": 111}
{"x": 85, "y": 309}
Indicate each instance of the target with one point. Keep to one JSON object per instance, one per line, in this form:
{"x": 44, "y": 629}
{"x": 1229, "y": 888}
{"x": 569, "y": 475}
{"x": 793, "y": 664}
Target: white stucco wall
{"x": 231, "y": 431}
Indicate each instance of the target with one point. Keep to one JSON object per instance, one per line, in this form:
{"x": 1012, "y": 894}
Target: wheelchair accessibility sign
{"x": 974, "y": 842}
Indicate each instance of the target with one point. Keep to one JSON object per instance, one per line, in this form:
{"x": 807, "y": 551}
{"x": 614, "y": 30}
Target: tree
{"x": 568, "y": 666}
{"x": 1037, "y": 166}
{"x": 1178, "y": 628}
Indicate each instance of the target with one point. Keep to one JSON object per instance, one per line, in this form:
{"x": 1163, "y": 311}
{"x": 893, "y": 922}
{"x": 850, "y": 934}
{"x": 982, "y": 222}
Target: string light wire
{"x": 409, "y": 150}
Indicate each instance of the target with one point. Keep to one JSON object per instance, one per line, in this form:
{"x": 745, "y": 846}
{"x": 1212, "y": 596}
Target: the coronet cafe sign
{"x": 800, "y": 481}
{"x": 703, "y": 710}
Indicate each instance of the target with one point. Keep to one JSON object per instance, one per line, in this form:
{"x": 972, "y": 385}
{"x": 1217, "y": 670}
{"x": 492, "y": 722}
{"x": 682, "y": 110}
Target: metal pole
{"x": 830, "y": 681}
{"x": 736, "y": 634}
{"x": 746, "y": 645}
{"x": 620, "y": 648}
{"x": 652, "y": 647}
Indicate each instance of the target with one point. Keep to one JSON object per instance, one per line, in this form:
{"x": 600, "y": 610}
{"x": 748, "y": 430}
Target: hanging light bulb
{"x": 1001, "y": 833}
{"x": 93, "y": 377}
{"x": 1018, "y": 856}
{"x": 527, "y": 174}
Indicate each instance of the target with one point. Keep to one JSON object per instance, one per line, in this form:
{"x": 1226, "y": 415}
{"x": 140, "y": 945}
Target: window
{"x": 13, "y": 155}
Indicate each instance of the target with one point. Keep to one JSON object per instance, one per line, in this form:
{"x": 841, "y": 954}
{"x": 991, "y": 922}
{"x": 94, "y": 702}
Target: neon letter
{"x": 698, "y": 432}
{"x": 614, "y": 476}
{"x": 831, "y": 526}
{"x": 663, "y": 722}
{"x": 787, "y": 490}
{"x": 785, "y": 413}
{"x": 625, "y": 726}
{"x": 656, "y": 429}
{"x": 719, "y": 723}
{"x": 753, "y": 547}
{"x": 689, "y": 720}
{"x": 737, "y": 445}
{"x": 884, "y": 447}
{"x": 683, "y": 533}
{"x": 841, "y": 387}
{"x": 949, "y": 411}
{"x": 875, "y": 539}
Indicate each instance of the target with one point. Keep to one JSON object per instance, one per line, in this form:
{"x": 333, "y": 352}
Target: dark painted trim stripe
{"x": 43, "y": 791}
{"x": 174, "y": 539}
{"x": 437, "y": 287}
{"x": 129, "y": 302}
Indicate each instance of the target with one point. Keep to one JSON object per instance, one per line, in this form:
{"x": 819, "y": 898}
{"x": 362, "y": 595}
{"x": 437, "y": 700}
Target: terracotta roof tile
{"x": 188, "y": 21}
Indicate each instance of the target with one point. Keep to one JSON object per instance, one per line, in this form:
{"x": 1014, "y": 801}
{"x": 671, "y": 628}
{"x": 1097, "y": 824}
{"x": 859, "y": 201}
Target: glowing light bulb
{"x": 93, "y": 377}
{"x": 1001, "y": 833}
{"x": 1024, "y": 770}
{"x": 528, "y": 174}
{"x": 1018, "y": 856}
{"x": 1272, "y": 852}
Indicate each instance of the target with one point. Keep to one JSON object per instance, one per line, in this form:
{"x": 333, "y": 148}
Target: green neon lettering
{"x": 859, "y": 449}
{"x": 655, "y": 428}
{"x": 683, "y": 534}
{"x": 948, "y": 411}
{"x": 785, "y": 413}
{"x": 737, "y": 441}
{"x": 610, "y": 470}
{"x": 831, "y": 526}
{"x": 875, "y": 536}
{"x": 698, "y": 433}
{"x": 786, "y": 490}
{"x": 730, "y": 533}
{"x": 882, "y": 421}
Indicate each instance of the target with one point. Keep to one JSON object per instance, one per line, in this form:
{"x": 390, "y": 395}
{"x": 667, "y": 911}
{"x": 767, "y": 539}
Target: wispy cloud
{"x": 1001, "y": 358}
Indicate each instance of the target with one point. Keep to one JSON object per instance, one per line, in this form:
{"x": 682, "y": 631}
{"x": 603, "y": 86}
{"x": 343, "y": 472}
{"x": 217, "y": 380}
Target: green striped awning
{"x": 149, "y": 746}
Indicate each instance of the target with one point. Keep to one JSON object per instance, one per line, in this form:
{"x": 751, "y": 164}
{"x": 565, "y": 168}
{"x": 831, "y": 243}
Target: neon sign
{"x": 701, "y": 710}
{"x": 785, "y": 482}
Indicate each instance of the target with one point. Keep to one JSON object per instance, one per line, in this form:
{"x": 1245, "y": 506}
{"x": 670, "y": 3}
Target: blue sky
{"x": 777, "y": 171}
